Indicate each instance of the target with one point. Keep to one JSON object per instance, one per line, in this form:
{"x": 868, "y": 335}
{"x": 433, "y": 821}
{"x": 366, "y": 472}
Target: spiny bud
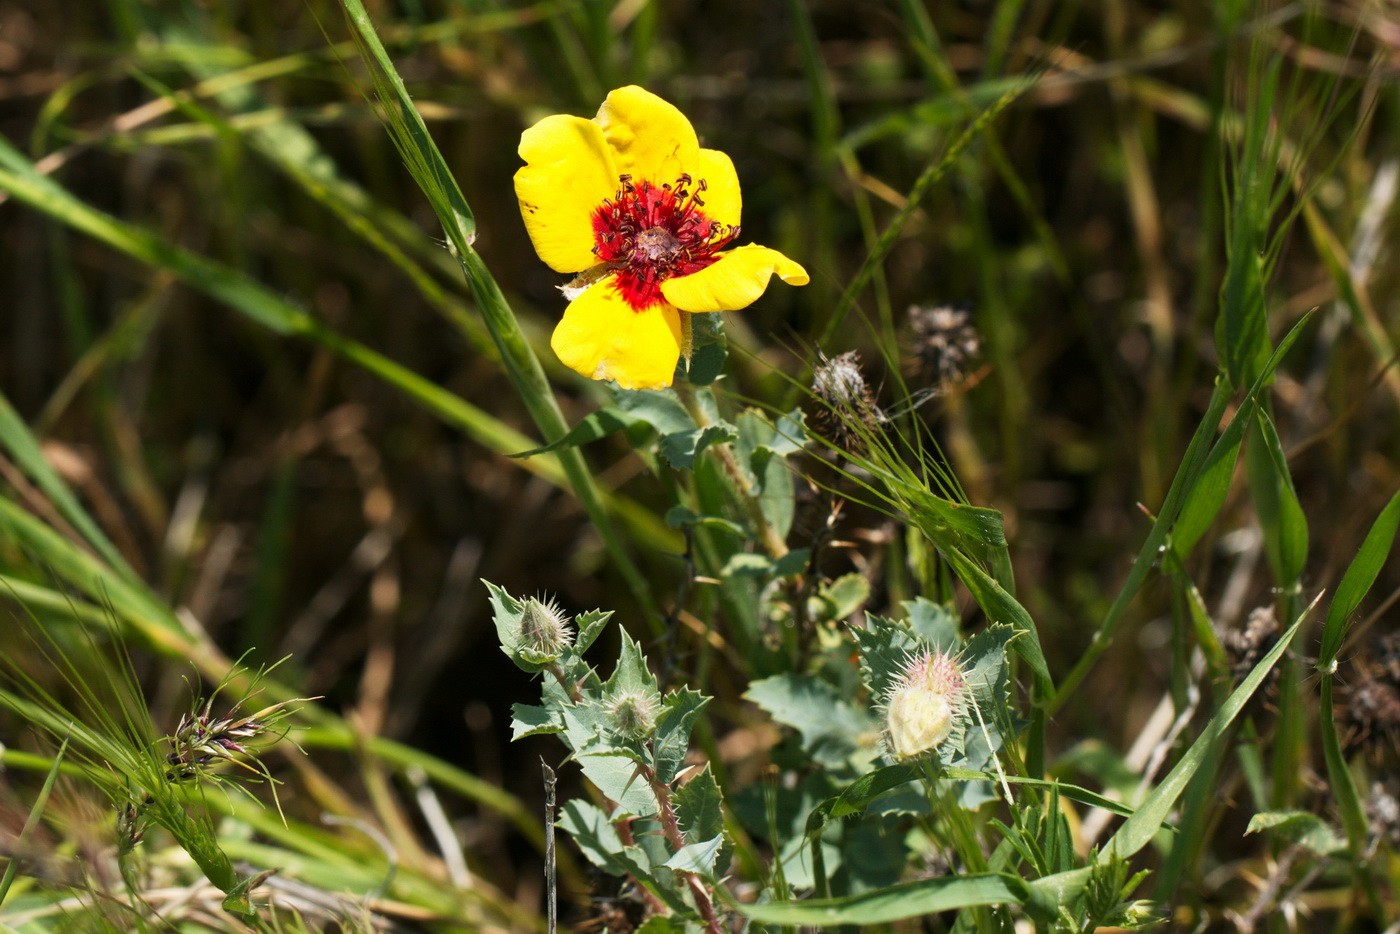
{"x": 544, "y": 631}
{"x": 924, "y": 704}
{"x": 633, "y": 714}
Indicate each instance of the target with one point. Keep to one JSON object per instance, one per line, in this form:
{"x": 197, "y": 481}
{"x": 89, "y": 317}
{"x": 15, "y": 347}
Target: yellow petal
{"x": 601, "y": 337}
{"x": 568, "y": 172}
{"x": 734, "y": 281}
{"x": 651, "y": 140}
{"x": 721, "y": 195}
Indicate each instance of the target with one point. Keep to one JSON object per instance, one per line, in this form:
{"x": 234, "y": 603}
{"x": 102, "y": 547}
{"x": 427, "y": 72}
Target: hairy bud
{"x": 544, "y": 632}
{"x": 633, "y": 714}
{"x": 924, "y": 705}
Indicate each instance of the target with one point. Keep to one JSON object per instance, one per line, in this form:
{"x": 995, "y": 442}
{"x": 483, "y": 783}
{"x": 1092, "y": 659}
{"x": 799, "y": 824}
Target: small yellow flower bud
{"x": 924, "y": 704}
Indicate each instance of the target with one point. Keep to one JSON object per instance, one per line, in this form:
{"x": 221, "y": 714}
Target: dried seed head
{"x": 1388, "y": 656}
{"x": 544, "y": 631}
{"x": 840, "y": 383}
{"x": 633, "y": 714}
{"x": 943, "y": 344}
{"x": 924, "y": 705}
{"x": 1368, "y": 708}
{"x": 847, "y": 407}
{"x": 1245, "y": 647}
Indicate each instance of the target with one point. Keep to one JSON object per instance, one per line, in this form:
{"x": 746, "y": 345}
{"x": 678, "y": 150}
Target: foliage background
{"x": 294, "y": 503}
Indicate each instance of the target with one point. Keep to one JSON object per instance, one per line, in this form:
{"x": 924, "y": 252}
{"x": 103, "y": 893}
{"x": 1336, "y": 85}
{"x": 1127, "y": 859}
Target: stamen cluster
{"x": 649, "y": 234}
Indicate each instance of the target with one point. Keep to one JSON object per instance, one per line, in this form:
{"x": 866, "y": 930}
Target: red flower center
{"x": 649, "y": 234}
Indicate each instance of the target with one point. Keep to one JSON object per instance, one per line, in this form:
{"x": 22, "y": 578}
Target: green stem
{"x": 671, "y": 829}
{"x": 772, "y": 541}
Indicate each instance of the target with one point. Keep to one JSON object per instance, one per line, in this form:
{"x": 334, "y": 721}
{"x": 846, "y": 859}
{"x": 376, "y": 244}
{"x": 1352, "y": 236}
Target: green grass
{"x": 272, "y": 321}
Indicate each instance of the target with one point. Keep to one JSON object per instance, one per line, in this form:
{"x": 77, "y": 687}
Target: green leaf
{"x": 747, "y": 564}
{"x": 763, "y": 449}
{"x": 1139, "y": 829}
{"x": 836, "y": 600}
{"x": 700, "y": 806}
{"x": 590, "y": 626}
{"x": 508, "y": 614}
{"x": 1301, "y": 827}
{"x": 1241, "y": 331}
{"x": 697, "y": 858}
{"x": 681, "y": 440}
{"x": 830, "y": 725}
{"x": 680, "y": 448}
{"x": 591, "y": 427}
{"x": 975, "y": 529}
{"x": 680, "y": 517}
{"x": 935, "y": 623}
{"x": 597, "y": 838}
{"x": 236, "y": 900}
{"x": 1207, "y": 495}
{"x": 895, "y": 903}
{"x": 23, "y": 447}
{"x": 672, "y": 741}
{"x": 1285, "y": 527}
{"x": 631, "y": 676}
{"x": 1001, "y": 607}
{"x": 858, "y": 795}
{"x": 885, "y": 646}
{"x": 530, "y": 720}
{"x": 709, "y": 350}
{"x": 616, "y": 777}
{"x": 659, "y": 408}
{"x": 1357, "y": 580}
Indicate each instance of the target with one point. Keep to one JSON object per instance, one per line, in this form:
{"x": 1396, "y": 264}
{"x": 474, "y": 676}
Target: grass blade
{"x": 430, "y": 170}
{"x": 1138, "y": 830}
{"x": 36, "y": 811}
{"x": 895, "y": 903}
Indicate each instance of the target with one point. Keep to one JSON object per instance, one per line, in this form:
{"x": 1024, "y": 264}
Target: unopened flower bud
{"x": 633, "y": 715}
{"x": 1140, "y": 914}
{"x": 544, "y": 631}
{"x": 924, "y": 705}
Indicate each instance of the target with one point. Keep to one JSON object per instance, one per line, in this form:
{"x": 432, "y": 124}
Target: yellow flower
{"x": 631, "y": 202}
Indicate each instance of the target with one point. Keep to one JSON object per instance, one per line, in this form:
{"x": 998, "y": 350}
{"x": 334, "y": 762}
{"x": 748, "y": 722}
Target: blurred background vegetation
{"x": 294, "y": 503}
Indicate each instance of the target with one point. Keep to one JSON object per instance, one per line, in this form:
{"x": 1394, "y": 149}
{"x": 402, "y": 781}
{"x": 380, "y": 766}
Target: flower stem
{"x": 624, "y": 834}
{"x": 772, "y": 541}
{"x": 671, "y": 829}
